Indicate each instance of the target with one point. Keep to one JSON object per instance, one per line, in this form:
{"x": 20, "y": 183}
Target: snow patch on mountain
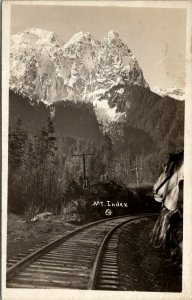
{"x": 105, "y": 113}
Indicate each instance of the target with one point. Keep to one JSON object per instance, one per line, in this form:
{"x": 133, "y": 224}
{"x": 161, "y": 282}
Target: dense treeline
{"x": 75, "y": 119}
{"x": 42, "y": 167}
{"x": 43, "y": 171}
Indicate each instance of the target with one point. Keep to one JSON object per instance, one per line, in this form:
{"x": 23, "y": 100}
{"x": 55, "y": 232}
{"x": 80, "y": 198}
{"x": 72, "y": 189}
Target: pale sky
{"x": 157, "y": 37}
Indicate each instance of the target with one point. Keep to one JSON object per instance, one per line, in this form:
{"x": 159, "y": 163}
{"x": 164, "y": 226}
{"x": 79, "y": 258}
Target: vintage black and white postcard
{"x": 96, "y": 182}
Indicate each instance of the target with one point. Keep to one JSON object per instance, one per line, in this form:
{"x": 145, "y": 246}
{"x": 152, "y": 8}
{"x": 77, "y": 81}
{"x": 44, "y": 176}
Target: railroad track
{"x": 85, "y": 258}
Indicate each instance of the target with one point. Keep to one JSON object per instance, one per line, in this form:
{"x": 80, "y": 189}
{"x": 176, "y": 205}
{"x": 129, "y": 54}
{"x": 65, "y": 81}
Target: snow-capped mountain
{"x": 82, "y": 69}
{"x": 178, "y": 94}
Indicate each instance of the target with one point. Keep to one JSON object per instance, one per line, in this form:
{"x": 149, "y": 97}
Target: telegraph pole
{"x": 101, "y": 125}
{"x": 136, "y": 169}
{"x": 83, "y": 155}
{"x": 114, "y": 161}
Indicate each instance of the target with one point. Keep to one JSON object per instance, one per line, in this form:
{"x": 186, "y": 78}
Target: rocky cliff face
{"x": 83, "y": 69}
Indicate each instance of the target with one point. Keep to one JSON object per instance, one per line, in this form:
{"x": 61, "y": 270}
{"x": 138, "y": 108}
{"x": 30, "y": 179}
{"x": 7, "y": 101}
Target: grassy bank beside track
{"x": 22, "y": 235}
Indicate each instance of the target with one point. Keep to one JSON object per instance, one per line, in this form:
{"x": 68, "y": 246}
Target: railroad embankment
{"x": 142, "y": 268}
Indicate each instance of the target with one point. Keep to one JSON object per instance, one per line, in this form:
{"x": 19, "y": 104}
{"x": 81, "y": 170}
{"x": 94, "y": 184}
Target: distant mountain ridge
{"x": 175, "y": 93}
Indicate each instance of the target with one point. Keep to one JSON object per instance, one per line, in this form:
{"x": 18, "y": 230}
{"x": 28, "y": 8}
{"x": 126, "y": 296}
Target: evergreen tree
{"x": 51, "y": 138}
{"x": 17, "y": 139}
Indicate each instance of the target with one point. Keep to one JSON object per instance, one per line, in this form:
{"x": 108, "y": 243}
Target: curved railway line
{"x": 85, "y": 258}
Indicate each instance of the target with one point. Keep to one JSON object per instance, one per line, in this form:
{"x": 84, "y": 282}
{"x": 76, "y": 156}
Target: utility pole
{"x": 83, "y": 155}
{"x": 114, "y": 161}
{"x": 101, "y": 125}
{"x": 136, "y": 169}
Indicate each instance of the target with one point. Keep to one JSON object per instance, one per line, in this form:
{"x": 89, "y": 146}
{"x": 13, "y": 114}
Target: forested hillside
{"x": 43, "y": 139}
{"x": 71, "y": 119}
{"x": 161, "y": 117}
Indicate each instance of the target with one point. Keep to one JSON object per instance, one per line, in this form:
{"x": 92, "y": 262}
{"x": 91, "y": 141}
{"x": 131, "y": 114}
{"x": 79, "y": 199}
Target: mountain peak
{"x": 41, "y": 33}
{"x": 44, "y": 69}
{"x": 79, "y": 38}
{"x": 112, "y": 34}
{"x": 34, "y": 37}
{"x": 113, "y": 39}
